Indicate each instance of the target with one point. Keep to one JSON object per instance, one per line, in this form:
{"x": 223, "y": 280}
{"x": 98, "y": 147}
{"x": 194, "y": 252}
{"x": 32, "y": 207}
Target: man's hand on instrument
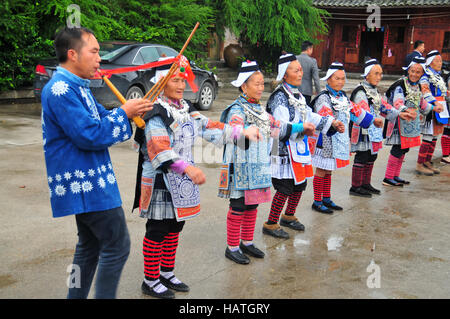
{"x": 252, "y": 133}
{"x": 338, "y": 126}
{"x": 378, "y": 122}
{"x": 308, "y": 129}
{"x": 137, "y": 107}
{"x": 195, "y": 174}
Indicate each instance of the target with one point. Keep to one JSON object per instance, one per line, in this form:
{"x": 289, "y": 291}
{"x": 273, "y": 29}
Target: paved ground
{"x": 405, "y": 232}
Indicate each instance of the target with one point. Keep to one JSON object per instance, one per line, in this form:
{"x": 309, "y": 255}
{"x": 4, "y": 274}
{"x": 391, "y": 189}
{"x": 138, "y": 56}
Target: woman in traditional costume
{"x": 435, "y": 92}
{"x": 401, "y": 134}
{"x": 246, "y": 173}
{"x": 167, "y": 187}
{"x": 291, "y": 159}
{"x": 333, "y": 152}
{"x": 367, "y": 142}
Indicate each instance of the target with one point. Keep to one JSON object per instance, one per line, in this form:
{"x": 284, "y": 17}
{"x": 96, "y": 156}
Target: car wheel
{"x": 134, "y": 92}
{"x": 206, "y": 96}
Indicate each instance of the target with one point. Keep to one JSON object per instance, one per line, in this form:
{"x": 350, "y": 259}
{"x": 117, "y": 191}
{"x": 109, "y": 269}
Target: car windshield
{"x": 110, "y": 50}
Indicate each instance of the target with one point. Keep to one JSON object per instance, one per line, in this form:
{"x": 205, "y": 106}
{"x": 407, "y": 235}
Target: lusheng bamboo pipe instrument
{"x": 154, "y": 92}
{"x": 157, "y": 88}
{"x": 137, "y": 119}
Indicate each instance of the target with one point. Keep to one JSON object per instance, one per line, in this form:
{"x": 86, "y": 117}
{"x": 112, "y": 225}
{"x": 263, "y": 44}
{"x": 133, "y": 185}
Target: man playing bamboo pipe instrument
{"x": 167, "y": 184}
{"x": 77, "y": 132}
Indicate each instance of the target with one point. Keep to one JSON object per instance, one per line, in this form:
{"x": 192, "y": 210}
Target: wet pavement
{"x": 395, "y": 245}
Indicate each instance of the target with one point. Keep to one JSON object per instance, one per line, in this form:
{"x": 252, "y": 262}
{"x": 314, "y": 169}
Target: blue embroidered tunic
{"x": 77, "y": 132}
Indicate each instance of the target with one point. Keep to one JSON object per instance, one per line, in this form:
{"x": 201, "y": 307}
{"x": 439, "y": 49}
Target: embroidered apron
{"x": 185, "y": 194}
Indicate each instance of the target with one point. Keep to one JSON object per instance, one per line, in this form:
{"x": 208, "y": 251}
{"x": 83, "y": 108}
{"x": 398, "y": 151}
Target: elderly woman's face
{"x": 254, "y": 86}
{"x": 375, "y": 75}
{"x": 294, "y": 73}
{"x": 436, "y": 64}
{"x": 337, "y": 80}
{"x": 415, "y": 72}
{"x": 175, "y": 87}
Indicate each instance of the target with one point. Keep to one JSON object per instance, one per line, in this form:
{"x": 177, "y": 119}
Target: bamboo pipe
{"x": 159, "y": 86}
{"x": 137, "y": 119}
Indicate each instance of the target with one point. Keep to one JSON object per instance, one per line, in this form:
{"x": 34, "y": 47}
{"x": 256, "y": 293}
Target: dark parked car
{"x": 133, "y": 84}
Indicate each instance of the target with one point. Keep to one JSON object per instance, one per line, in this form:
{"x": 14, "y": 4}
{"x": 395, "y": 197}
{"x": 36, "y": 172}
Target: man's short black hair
{"x": 67, "y": 39}
{"x": 417, "y": 43}
{"x": 306, "y": 45}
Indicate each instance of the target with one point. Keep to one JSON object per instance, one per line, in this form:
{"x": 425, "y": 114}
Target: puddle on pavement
{"x": 298, "y": 242}
{"x": 334, "y": 243}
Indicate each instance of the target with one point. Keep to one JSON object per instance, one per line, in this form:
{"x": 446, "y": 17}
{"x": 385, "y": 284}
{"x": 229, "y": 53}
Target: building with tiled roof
{"x": 382, "y": 29}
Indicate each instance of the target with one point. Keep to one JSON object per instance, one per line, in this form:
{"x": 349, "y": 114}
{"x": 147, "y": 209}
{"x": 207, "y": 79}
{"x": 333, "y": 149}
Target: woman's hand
{"x": 412, "y": 112}
{"x": 338, "y": 126}
{"x": 195, "y": 174}
{"x": 252, "y": 133}
{"x": 438, "y": 107}
{"x": 407, "y": 116}
{"x": 378, "y": 122}
{"x": 308, "y": 129}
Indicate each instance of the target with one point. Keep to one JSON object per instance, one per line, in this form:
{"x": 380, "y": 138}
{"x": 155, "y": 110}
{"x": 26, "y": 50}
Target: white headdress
{"x": 333, "y": 68}
{"x": 246, "y": 71}
{"x": 283, "y": 63}
{"x": 431, "y": 55}
{"x": 417, "y": 60}
{"x": 368, "y": 66}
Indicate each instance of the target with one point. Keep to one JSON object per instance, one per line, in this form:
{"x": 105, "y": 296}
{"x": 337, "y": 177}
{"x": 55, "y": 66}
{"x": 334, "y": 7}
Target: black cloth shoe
{"x": 322, "y": 209}
{"x": 332, "y": 205}
{"x": 237, "y": 256}
{"x": 391, "y": 182}
{"x": 251, "y": 250}
{"x": 359, "y": 191}
{"x": 293, "y": 224}
{"x": 178, "y": 287}
{"x": 371, "y": 189}
{"x": 274, "y": 230}
{"x": 146, "y": 289}
{"x": 401, "y": 180}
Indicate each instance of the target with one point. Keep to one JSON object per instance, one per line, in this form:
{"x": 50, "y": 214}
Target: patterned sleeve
{"x": 158, "y": 143}
{"x": 323, "y": 116}
{"x": 425, "y": 87}
{"x": 425, "y": 107}
{"x": 390, "y": 112}
{"x": 93, "y": 129}
{"x": 360, "y": 116}
{"x": 360, "y": 99}
{"x": 322, "y": 106}
{"x": 398, "y": 98}
{"x": 278, "y": 105}
{"x": 216, "y": 132}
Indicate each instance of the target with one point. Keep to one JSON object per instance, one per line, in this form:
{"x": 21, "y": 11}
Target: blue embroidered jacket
{"x": 77, "y": 132}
